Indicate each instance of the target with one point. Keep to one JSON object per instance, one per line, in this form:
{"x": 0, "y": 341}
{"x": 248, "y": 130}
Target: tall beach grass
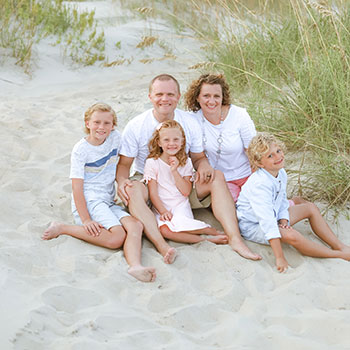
{"x": 26, "y": 22}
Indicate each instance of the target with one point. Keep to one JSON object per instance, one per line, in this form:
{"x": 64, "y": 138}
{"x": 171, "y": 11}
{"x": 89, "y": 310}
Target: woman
{"x": 226, "y": 129}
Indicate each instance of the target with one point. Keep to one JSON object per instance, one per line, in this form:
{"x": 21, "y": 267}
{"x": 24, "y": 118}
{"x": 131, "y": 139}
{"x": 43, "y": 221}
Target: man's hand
{"x": 122, "y": 190}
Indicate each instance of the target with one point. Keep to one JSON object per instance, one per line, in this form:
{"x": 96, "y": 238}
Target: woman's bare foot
{"x": 240, "y": 248}
{"x": 218, "y": 239}
{"x": 170, "y": 256}
{"x": 143, "y": 274}
{"x": 53, "y": 231}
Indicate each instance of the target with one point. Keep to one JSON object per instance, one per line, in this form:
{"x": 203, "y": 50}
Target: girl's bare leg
{"x": 106, "y": 239}
{"x": 132, "y": 250}
{"x": 187, "y": 237}
{"x": 318, "y": 224}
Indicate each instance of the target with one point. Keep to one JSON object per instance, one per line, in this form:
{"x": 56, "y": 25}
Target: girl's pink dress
{"x": 173, "y": 200}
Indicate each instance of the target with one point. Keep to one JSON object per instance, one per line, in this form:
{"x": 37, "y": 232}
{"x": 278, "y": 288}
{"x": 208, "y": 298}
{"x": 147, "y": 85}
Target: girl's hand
{"x": 173, "y": 162}
{"x": 166, "y": 216}
{"x": 92, "y": 227}
{"x": 281, "y": 264}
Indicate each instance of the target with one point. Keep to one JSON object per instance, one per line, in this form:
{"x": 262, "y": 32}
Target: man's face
{"x": 164, "y": 97}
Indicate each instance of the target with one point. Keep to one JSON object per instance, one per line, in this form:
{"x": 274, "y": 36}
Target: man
{"x": 164, "y": 94}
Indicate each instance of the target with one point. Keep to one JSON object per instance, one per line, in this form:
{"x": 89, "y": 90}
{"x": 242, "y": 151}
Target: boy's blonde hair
{"x": 99, "y": 107}
{"x": 259, "y": 146}
{"x": 155, "y": 150}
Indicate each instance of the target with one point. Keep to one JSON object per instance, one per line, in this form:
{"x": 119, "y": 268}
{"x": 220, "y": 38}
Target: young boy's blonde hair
{"x": 99, "y": 107}
{"x": 260, "y": 146}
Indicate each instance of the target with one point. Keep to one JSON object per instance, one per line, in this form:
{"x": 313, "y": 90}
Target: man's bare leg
{"x": 132, "y": 250}
{"x": 224, "y": 211}
{"x": 138, "y": 208}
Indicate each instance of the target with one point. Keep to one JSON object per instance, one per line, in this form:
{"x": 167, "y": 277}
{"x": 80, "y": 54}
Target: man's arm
{"x": 122, "y": 177}
{"x": 205, "y": 172}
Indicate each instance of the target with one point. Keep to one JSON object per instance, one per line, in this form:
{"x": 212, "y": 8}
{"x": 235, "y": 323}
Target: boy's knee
{"x": 116, "y": 238}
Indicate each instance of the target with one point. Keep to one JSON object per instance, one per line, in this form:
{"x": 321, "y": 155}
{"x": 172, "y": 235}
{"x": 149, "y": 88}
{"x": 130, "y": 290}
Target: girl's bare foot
{"x": 218, "y": 239}
{"x": 143, "y": 274}
{"x": 170, "y": 256}
{"x": 53, "y": 231}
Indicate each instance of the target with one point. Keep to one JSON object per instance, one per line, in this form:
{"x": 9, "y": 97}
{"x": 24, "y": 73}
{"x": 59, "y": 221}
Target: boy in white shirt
{"x": 263, "y": 210}
{"x": 93, "y": 168}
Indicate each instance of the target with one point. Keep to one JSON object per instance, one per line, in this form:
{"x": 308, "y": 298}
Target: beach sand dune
{"x": 67, "y": 294}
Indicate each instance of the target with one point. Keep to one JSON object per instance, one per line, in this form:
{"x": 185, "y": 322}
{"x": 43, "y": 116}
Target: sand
{"x": 67, "y": 294}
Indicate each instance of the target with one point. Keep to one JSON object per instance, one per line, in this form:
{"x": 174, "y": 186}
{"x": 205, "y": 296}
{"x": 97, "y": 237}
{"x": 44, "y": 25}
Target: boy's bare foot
{"x": 218, "y": 239}
{"x": 240, "y": 248}
{"x": 143, "y": 274}
{"x": 170, "y": 256}
{"x": 53, "y": 231}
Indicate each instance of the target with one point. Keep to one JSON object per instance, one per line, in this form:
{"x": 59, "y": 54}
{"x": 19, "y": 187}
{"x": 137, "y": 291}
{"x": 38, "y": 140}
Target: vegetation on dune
{"x": 26, "y": 22}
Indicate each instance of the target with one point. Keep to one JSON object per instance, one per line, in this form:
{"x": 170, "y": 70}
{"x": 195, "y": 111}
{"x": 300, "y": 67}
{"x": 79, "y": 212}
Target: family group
{"x": 207, "y": 157}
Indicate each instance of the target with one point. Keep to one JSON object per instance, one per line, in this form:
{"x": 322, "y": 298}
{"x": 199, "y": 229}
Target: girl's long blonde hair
{"x": 155, "y": 150}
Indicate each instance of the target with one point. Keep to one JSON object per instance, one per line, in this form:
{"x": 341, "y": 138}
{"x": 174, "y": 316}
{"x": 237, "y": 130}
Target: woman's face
{"x": 210, "y": 99}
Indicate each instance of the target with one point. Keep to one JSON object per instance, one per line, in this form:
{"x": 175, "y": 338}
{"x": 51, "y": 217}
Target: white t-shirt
{"x": 237, "y": 131}
{"x": 262, "y": 202}
{"x": 96, "y": 165}
{"x": 139, "y": 130}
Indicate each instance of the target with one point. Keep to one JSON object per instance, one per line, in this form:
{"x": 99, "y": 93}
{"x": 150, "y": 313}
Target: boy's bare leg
{"x": 138, "y": 208}
{"x": 318, "y": 224}
{"x": 187, "y": 237}
{"x": 132, "y": 250}
{"x": 224, "y": 210}
{"x": 310, "y": 248}
{"x": 106, "y": 239}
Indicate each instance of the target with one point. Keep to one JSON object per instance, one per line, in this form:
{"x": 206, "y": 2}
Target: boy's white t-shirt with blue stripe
{"x": 96, "y": 165}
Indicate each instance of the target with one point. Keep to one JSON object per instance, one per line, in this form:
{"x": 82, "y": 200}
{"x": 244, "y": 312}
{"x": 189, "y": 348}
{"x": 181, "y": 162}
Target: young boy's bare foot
{"x": 170, "y": 256}
{"x": 240, "y": 248}
{"x": 53, "y": 231}
{"x": 218, "y": 239}
{"x": 143, "y": 274}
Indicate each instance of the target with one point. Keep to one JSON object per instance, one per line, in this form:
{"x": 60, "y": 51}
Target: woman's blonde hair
{"x": 99, "y": 107}
{"x": 155, "y": 150}
{"x": 194, "y": 90}
{"x": 260, "y": 146}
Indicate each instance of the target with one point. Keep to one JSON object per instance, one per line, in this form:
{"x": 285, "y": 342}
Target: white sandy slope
{"x": 67, "y": 294}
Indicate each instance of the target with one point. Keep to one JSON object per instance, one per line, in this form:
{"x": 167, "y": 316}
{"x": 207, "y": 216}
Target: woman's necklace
{"x": 219, "y": 140}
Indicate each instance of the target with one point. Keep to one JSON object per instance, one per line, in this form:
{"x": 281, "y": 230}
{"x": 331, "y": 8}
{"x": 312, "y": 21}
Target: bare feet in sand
{"x": 53, "y": 231}
{"x": 170, "y": 256}
{"x": 345, "y": 252}
{"x": 218, "y": 239}
{"x": 143, "y": 274}
{"x": 240, "y": 248}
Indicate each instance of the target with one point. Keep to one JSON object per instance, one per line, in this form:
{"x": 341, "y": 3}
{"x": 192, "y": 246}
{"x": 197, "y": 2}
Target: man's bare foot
{"x": 244, "y": 251}
{"x": 53, "y": 231}
{"x": 143, "y": 274}
{"x": 218, "y": 239}
{"x": 170, "y": 256}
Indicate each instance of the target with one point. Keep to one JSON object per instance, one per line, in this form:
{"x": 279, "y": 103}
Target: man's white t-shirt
{"x": 139, "y": 130}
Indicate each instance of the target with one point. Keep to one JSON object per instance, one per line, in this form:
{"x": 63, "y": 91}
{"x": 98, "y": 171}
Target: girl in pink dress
{"x": 168, "y": 173}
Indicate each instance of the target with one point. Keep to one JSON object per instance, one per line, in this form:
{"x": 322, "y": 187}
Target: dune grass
{"x": 288, "y": 63}
{"x": 26, "y": 22}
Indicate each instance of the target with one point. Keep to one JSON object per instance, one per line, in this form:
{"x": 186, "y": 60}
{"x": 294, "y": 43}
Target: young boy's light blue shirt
{"x": 261, "y": 203}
